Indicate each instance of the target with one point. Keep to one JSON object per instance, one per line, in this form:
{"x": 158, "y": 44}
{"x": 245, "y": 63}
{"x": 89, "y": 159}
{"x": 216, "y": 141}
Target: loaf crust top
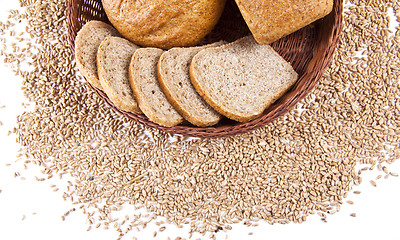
{"x": 164, "y": 24}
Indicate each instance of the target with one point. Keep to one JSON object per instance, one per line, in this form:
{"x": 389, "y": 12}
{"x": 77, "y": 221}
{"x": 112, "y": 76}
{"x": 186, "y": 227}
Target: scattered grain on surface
{"x": 373, "y": 183}
{"x": 305, "y": 165}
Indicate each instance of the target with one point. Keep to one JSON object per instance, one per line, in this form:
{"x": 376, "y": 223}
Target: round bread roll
{"x": 164, "y": 24}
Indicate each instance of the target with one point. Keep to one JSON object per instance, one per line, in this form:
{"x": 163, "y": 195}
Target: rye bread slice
{"x": 241, "y": 79}
{"x": 87, "y": 42}
{"x": 144, "y": 83}
{"x": 113, "y": 58}
{"x": 174, "y": 78}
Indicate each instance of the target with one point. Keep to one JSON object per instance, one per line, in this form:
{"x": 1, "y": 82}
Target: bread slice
{"x": 144, "y": 83}
{"x": 113, "y": 58}
{"x": 271, "y": 20}
{"x": 87, "y": 42}
{"x": 241, "y": 79}
{"x": 174, "y": 79}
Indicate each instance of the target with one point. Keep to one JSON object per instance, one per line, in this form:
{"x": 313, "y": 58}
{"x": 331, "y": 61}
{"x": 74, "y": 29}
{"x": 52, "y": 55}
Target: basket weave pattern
{"x": 309, "y": 50}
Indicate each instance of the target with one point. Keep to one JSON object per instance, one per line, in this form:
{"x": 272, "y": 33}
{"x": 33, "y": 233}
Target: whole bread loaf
{"x": 241, "y": 79}
{"x": 270, "y": 20}
{"x": 113, "y": 58}
{"x": 162, "y": 23}
{"x": 86, "y": 44}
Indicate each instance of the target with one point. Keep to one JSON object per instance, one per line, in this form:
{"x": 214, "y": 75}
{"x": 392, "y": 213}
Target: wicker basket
{"x": 309, "y": 50}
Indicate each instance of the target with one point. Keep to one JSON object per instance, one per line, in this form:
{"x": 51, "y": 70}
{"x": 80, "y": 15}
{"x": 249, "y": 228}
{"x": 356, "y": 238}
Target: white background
{"x": 377, "y": 208}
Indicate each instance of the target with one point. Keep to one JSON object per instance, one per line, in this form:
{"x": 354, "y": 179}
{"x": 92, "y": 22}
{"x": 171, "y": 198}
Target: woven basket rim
{"x": 322, "y": 55}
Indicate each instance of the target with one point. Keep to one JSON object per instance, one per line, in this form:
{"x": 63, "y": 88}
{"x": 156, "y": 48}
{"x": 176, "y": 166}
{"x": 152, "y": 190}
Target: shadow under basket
{"x": 309, "y": 51}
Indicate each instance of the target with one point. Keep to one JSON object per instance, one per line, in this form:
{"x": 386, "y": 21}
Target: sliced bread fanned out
{"x": 113, "y": 58}
{"x": 241, "y": 79}
{"x": 174, "y": 79}
{"x": 87, "y": 42}
{"x": 144, "y": 83}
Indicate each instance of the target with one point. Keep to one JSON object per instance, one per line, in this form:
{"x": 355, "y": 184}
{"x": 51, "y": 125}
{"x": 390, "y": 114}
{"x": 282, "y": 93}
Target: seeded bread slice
{"x": 145, "y": 86}
{"x": 174, "y": 79}
{"x": 113, "y": 58}
{"x": 241, "y": 79}
{"x": 87, "y": 42}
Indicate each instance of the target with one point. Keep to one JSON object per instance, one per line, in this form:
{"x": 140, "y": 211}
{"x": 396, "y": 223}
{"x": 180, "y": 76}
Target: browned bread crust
{"x": 164, "y": 24}
{"x": 273, "y": 19}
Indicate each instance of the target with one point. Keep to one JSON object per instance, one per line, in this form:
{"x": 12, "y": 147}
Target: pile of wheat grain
{"x": 301, "y": 164}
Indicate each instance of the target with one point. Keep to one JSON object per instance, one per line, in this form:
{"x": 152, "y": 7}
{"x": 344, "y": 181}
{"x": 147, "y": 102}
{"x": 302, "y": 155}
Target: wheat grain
{"x": 301, "y": 164}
